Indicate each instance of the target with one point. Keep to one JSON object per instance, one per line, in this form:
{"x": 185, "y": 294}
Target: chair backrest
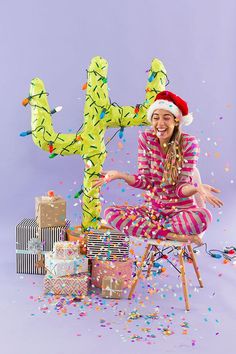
{"x": 197, "y": 179}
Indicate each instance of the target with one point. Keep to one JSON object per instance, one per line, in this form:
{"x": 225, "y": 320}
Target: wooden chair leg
{"x": 190, "y": 249}
{"x": 139, "y": 272}
{"x": 150, "y": 264}
{"x": 183, "y": 278}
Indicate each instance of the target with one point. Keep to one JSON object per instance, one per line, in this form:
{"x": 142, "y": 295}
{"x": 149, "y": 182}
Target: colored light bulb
{"x": 50, "y": 147}
{"x": 25, "y": 101}
{"x": 78, "y": 193}
{"x": 52, "y": 155}
{"x": 214, "y": 255}
{"x": 56, "y": 109}
{"x": 121, "y": 132}
{"x": 151, "y": 77}
{"x": 136, "y": 110}
{"x": 102, "y": 115}
{"x": 28, "y": 132}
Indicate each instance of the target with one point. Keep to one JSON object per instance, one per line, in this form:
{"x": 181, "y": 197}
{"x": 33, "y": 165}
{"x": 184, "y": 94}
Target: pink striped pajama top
{"x": 173, "y": 211}
{"x": 151, "y": 160}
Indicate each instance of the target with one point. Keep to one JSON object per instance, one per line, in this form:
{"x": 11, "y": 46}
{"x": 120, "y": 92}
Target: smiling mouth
{"x": 161, "y": 132}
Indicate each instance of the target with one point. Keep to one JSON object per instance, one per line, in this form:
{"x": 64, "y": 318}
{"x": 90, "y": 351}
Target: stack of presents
{"x": 70, "y": 260}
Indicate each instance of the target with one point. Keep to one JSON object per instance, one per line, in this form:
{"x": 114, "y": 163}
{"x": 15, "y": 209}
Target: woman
{"x": 166, "y": 162}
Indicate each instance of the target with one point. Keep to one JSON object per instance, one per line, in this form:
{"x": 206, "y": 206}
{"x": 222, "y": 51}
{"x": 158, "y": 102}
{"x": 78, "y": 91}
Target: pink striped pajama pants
{"x": 142, "y": 222}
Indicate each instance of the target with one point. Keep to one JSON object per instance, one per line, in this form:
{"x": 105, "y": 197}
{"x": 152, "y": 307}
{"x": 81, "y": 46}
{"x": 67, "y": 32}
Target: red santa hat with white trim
{"x": 176, "y": 105}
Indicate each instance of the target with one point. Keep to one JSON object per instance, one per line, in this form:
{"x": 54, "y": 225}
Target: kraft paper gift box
{"x": 112, "y": 287}
{"x": 75, "y": 285}
{"x": 32, "y": 243}
{"x": 115, "y": 269}
{"x": 66, "y": 249}
{"x": 62, "y": 267}
{"x": 107, "y": 244}
{"x": 50, "y": 211}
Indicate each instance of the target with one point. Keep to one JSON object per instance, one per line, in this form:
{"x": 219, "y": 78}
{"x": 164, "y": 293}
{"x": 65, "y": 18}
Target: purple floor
{"x": 34, "y": 323}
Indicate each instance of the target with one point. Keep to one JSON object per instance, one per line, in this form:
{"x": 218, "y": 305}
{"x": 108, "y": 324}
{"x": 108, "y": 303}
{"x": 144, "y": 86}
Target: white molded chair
{"x": 156, "y": 248}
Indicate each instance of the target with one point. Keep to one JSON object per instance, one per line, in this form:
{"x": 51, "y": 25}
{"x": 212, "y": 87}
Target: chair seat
{"x": 166, "y": 243}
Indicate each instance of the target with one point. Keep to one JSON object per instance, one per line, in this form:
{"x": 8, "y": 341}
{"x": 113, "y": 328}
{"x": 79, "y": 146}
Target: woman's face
{"x": 163, "y": 123}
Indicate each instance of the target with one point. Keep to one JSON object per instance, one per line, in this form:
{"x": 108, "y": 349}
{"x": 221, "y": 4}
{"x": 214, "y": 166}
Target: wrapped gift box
{"x": 75, "y": 234}
{"x": 75, "y": 285}
{"x": 115, "y": 269}
{"x": 50, "y": 211}
{"x": 66, "y": 249}
{"x": 107, "y": 244}
{"x": 112, "y": 288}
{"x": 32, "y": 241}
{"x": 62, "y": 267}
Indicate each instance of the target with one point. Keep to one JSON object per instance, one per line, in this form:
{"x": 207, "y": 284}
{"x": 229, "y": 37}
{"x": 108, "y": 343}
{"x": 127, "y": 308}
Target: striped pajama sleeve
{"x": 191, "y": 152}
{"x": 143, "y": 179}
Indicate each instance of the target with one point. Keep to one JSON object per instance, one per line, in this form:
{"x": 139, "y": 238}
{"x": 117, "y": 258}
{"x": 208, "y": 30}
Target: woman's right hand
{"x": 105, "y": 177}
{"x": 205, "y": 190}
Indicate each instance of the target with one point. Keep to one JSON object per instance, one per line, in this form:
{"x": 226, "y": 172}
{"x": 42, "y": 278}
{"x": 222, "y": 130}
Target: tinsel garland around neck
{"x": 173, "y": 164}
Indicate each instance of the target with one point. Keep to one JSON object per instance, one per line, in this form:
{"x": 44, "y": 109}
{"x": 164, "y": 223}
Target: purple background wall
{"x": 55, "y": 40}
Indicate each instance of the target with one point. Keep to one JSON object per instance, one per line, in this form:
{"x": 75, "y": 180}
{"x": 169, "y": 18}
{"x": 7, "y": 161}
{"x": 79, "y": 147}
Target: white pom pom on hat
{"x": 176, "y": 105}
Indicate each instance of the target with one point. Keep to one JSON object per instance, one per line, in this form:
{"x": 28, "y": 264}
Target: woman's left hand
{"x": 205, "y": 190}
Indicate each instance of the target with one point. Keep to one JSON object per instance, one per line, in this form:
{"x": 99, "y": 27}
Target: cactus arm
{"x": 99, "y": 114}
{"x": 43, "y": 133}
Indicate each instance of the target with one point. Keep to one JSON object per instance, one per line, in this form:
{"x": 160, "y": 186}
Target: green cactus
{"x": 99, "y": 114}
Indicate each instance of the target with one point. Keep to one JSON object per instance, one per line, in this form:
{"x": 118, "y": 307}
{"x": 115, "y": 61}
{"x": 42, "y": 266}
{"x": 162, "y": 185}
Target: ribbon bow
{"x": 35, "y": 245}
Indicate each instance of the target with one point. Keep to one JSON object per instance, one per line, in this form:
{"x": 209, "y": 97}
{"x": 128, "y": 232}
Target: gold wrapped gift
{"x": 50, "y": 211}
{"x": 112, "y": 288}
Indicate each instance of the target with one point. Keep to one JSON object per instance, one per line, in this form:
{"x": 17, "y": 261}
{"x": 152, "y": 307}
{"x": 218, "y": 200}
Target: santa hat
{"x": 172, "y": 103}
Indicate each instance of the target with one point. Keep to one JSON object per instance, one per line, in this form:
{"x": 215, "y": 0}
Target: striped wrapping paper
{"x": 107, "y": 244}
{"x": 27, "y": 230}
{"x": 76, "y": 285}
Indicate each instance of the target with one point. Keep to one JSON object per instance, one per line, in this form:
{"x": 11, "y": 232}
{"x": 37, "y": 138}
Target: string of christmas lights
{"x": 229, "y": 253}
{"x": 99, "y": 114}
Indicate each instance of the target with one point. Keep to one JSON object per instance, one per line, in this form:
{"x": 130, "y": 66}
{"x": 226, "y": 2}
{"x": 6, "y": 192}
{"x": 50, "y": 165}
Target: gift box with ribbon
{"x": 115, "y": 269}
{"x": 32, "y": 243}
{"x": 74, "y": 285}
{"x": 112, "y": 288}
{"x": 66, "y": 249}
{"x": 50, "y": 210}
{"x": 62, "y": 267}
